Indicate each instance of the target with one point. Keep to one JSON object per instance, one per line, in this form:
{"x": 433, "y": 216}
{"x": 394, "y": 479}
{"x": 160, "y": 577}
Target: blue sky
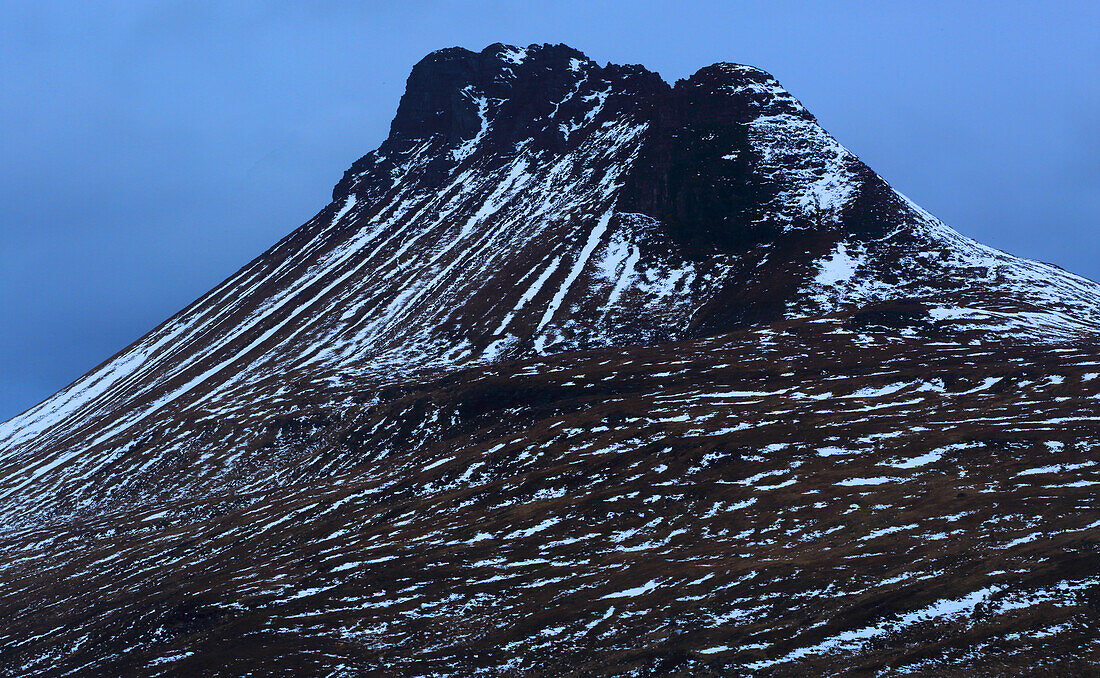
{"x": 152, "y": 148}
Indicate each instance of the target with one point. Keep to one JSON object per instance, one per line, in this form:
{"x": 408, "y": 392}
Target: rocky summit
{"x": 579, "y": 374}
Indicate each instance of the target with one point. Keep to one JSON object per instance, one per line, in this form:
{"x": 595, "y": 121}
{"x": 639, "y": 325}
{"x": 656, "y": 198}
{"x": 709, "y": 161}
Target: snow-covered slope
{"x": 530, "y": 205}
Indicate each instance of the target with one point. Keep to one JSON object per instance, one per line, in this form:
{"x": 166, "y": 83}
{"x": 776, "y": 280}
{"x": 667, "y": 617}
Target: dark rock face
{"x": 437, "y": 99}
{"x": 699, "y": 174}
{"x": 585, "y": 374}
{"x": 531, "y": 100}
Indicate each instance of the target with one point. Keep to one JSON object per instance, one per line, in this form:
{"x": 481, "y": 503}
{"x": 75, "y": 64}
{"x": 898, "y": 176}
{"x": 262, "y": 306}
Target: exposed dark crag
{"x": 580, "y": 373}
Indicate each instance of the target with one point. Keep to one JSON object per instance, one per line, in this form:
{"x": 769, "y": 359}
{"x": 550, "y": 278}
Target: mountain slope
{"x": 553, "y": 341}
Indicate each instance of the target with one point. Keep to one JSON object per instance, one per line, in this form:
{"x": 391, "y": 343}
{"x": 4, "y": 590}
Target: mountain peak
{"x": 740, "y": 92}
{"x": 700, "y": 156}
{"x": 578, "y": 369}
{"x": 443, "y": 89}
{"x": 531, "y": 202}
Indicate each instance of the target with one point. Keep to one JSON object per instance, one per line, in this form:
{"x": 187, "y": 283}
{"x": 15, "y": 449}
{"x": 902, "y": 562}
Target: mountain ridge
{"x": 631, "y": 276}
{"x": 578, "y": 294}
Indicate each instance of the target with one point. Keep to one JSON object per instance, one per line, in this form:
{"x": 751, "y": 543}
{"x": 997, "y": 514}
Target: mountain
{"x": 579, "y": 373}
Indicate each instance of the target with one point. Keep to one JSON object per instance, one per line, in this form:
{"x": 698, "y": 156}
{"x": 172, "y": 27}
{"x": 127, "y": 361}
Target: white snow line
{"x": 578, "y": 266}
{"x": 624, "y": 279}
{"x": 530, "y": 293}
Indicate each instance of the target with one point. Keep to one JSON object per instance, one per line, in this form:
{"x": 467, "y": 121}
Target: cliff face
{"x": 578, "y": 369}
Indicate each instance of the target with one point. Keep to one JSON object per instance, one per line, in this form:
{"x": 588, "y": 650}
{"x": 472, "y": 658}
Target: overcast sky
{"x": 152, "y": 148}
